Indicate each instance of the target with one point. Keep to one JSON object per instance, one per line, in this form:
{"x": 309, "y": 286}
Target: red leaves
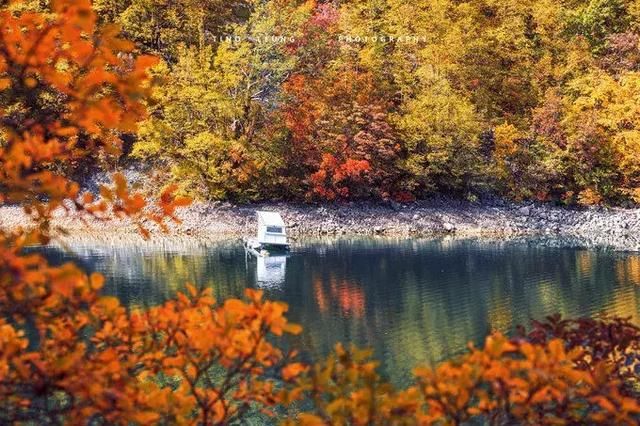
{"x": 613, "y": 341}
{"x": 342, "y": 135}
{"x": 333, "y": 179}
{"x": 325, "y": 16}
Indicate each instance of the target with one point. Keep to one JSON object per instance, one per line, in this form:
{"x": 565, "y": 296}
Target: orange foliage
{"x": 66, "y": 353}
{"x": 70, "y": 355}
{"x": 506, "y": 382}
{"x": 589, "y": 197}
{"x": 142, "y": 366}
{"x": 99, "y": 88}
{"x": 520, "y": 382}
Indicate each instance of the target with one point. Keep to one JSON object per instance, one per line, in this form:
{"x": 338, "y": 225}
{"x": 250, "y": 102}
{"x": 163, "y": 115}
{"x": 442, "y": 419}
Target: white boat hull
{"x": 259, "y": 249}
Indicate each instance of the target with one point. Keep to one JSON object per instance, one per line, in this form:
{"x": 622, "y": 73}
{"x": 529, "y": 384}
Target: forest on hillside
{"x": 389, "y": 99}
{"x": 310, "y": 101}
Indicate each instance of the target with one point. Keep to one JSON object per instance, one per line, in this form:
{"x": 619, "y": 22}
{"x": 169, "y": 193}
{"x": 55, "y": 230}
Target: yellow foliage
{"x": 505, "y": 137}
{"x": 589, "y": 197}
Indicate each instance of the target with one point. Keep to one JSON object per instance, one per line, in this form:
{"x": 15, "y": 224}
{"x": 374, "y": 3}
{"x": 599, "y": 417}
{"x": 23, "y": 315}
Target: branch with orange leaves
{"x": 117, "y": 201}
{"x": 504, "y": 382}
{"x": 99, "y": 91}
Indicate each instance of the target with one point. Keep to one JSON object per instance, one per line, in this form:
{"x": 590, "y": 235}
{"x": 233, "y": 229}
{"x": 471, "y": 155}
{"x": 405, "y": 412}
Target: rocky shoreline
{"x": 615, "y": 229}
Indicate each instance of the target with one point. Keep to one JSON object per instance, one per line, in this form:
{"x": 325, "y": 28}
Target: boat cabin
{"x": 271, "y": 229}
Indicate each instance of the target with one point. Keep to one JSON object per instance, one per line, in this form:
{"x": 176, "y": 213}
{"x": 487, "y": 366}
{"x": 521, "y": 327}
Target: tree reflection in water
{"x": 347, "y": 296}
{"x": 412, "y": 301}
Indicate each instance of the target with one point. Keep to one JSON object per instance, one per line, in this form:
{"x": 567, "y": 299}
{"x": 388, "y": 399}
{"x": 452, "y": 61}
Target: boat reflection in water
{"x": 271, "y": 271}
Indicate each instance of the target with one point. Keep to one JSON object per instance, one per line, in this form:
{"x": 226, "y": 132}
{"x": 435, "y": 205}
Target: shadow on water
{"x": 413, "y": 301}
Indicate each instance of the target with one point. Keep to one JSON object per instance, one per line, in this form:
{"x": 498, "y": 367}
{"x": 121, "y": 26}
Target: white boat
{"x": 270, "y": 237}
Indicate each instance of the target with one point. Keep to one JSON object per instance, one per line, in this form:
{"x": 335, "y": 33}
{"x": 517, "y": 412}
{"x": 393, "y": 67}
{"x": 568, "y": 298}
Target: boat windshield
{"x": 274, "y": 229}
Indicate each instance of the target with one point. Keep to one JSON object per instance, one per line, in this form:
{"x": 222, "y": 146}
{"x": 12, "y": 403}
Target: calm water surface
{"x": 412, "y": 301}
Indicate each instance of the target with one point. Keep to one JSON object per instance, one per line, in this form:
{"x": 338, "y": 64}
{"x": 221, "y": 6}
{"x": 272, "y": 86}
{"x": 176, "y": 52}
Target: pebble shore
{"x": 615, "y": 229}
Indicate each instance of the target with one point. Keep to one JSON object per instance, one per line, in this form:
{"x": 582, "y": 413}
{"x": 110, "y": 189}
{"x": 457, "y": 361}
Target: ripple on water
{"x": 413, "y": 301}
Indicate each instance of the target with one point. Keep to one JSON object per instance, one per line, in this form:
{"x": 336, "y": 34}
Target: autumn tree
{"x": 476, "y": 72}
{"x": 68, "y": 354}
{"x": 214, "y": 155}
{"x": 337, "y": 114}
{"x": 161, "y": 27}
{"x": 440, "y": 131}
{"x": 214, "y": 123}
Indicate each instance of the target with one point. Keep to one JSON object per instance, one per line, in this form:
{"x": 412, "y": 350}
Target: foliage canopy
{"x": 70, "y": 87}
{"x": 351, "y": 99}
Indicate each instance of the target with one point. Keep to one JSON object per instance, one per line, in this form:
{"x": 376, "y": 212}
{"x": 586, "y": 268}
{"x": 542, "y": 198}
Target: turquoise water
{"x": 413, "y": 301}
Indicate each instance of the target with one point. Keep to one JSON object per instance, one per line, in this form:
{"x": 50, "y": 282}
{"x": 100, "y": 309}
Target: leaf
{"x": 294, "y": 329}
{"x": 604, "y": 403}
{"x": 97, "y": 281}
{"x": 109, "y": 304}
{"x": 30, "y": 82}
{"x": 291, "y": 371}
{"x": 193, "y": 292}
{"x": 310, "y": 420}
{"x": 145, "y": 417}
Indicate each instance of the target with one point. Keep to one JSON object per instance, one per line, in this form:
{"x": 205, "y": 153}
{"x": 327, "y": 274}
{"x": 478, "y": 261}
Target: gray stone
{"x": 395, "y": 205}
{"x": 525, "y": 211}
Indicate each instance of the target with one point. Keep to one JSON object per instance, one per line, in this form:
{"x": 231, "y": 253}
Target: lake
{"x": 413, "y": 301}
